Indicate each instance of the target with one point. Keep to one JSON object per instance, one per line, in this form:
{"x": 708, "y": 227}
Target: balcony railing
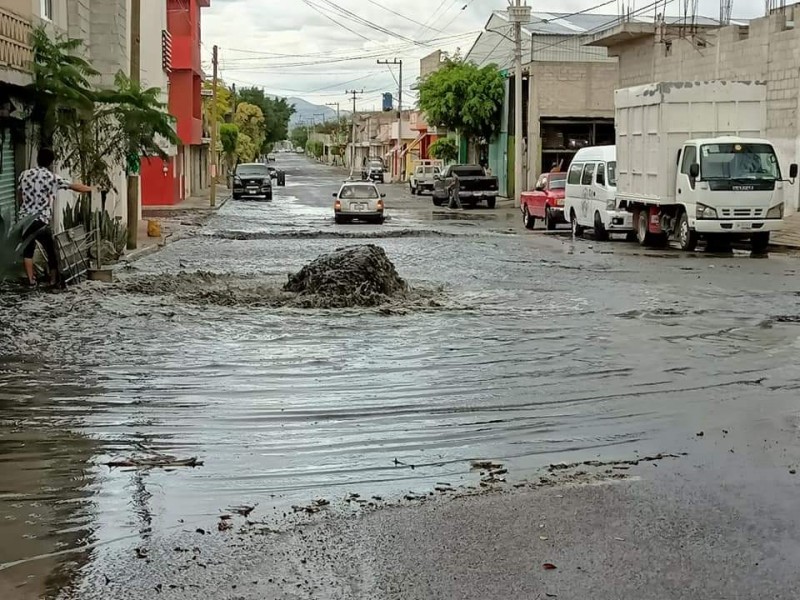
{"x": 15, "y": 44}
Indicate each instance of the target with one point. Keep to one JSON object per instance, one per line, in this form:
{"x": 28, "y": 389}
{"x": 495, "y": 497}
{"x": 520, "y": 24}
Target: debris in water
{"x": 350, "y": 276}
{"x": 549, "y": 566}
{"x": 159, "y": 461}
{"x": 242, "y": 510}
{"x": 485, "y": 465}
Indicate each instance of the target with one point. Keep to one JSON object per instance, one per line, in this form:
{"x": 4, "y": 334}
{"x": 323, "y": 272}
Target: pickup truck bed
{"x": 472, "y": 183}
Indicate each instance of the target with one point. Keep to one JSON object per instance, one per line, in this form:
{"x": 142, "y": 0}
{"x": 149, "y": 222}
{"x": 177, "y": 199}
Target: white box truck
{"x": 692, "y": 163}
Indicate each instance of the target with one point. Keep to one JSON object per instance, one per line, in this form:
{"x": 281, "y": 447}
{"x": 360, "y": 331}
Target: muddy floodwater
{"x": 528, "y": 349}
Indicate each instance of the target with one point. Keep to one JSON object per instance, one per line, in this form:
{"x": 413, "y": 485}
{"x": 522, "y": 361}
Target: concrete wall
{"x": 767, "y": 50}
{"x": 575, "y": 89}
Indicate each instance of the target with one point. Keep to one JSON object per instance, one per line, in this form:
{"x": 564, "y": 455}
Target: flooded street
{"x": 526, "y": 348}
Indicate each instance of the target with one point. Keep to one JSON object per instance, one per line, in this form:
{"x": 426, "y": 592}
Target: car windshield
{"x": 739, "y": 161}
{"x": 358, "y": 192}
{"x": 468, "y": 171}
{"x": 250, "y": 170}
{"x": 375, "y": 164}
{"x": 611, "y": 169}
{"x": 558, "y": 182}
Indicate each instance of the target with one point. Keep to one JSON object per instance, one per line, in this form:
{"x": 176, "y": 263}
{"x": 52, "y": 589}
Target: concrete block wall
{"x": 574, "y": 89}
{"x": 767, "y": 50}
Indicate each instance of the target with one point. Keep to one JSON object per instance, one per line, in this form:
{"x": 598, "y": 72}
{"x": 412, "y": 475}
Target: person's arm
{"x": 80, "y": 188}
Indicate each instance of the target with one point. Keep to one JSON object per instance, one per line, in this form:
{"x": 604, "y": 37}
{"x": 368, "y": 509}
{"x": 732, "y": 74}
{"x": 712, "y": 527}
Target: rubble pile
{"x": 347, "y": 277}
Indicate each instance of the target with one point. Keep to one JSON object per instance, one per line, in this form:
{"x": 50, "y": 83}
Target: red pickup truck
{"x": 546, "y": 202}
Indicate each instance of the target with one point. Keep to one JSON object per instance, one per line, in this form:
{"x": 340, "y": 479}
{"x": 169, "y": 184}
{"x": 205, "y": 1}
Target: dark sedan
{"x": 252, "y": 180}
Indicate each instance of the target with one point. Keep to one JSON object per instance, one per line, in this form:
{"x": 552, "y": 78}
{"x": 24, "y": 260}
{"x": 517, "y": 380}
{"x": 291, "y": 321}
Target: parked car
{"x": 545, "y": 202}
{"x": 421, "y": 179}
{"x": 252, "y": 180}
{"x": 473, "y": 184}
{"x": 358, "y": 200}
{"x": 373, "y": 170}
{"x": 590, "y": 201}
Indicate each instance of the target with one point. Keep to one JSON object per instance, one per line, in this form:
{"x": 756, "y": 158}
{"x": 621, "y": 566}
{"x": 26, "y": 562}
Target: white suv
{"x": 359, "y": 200}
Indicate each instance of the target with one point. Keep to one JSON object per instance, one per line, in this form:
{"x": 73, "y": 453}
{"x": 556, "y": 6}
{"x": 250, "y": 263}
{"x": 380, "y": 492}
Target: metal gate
{"x": 8, "y": 195}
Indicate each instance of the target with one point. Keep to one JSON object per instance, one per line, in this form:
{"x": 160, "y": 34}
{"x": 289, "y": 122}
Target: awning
{"x": 411, "y": 146}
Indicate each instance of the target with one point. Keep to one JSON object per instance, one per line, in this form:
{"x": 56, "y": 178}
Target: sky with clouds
{"x": 317, "y": 49}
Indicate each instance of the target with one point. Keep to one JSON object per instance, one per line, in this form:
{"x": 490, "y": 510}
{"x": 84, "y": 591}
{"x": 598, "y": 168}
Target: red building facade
{"x": 185, "y": 174}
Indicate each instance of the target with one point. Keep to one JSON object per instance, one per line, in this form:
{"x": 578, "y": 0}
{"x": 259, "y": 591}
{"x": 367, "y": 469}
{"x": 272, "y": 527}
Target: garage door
{"x": 7, "y": 176}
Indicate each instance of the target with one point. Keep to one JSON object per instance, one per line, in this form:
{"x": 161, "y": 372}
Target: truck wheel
{"x": 577, "y": 230}
{"x": 600, "y": 233}
{"x": 527, "y": 220}
{"x": 687, "y": 238}
{"x": 491, "y": 202}
{"x": 642, "y": 229}
{"x": 549, "y": 222}
{"x": 759, "y": 242}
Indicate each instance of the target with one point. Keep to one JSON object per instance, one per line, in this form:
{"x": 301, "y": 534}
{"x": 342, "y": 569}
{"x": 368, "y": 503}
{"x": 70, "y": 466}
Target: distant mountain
{"x": 307, "y": 111}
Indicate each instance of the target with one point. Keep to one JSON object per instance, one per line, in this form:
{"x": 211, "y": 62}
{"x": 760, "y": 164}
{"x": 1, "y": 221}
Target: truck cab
{"x": 727, "y": 186}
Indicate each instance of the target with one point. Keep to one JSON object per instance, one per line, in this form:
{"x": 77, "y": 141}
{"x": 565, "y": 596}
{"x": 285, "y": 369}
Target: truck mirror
{"x": 694, "y": 171}
{"x": 793, "y": 171}
{"x": 334, "y": 194}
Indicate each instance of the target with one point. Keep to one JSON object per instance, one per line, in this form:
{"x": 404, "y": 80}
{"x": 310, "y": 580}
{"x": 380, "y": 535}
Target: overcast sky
{"x": 290, "y": 49}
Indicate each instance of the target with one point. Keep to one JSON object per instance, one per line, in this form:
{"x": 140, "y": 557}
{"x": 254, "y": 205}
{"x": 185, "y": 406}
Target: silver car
{"x": 358, "y": 200}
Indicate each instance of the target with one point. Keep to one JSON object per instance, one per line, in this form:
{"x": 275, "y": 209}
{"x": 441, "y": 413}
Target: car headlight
{"x": 611, "y": 204}
{"x": 237, "y": 180}
{"x": 706, "y": 212}
{"x": 776, "y": 212}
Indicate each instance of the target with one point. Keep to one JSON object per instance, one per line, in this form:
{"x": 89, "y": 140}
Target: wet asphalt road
{"x": 541, "y": 349}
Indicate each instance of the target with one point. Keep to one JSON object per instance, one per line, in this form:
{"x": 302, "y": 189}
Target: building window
{"x": 47, "y": 9}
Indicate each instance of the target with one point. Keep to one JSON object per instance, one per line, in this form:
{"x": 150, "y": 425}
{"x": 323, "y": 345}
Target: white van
{"x": 591, "y": 194}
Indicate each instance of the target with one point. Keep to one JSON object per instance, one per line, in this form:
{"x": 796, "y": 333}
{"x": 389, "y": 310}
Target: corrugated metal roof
{"x": 542, "y": 23}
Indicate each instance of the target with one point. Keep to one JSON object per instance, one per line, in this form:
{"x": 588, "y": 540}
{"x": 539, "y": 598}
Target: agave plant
{"x": 12, "y": 243}
{"x": 112, "y": 229}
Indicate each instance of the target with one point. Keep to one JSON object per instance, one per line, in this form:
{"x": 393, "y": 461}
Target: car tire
{"x": 268, "y": 197}
{"x": 527, "y": 219}
{"x": 600, "y": 232}
{"x": 577, "y": 230}
{"x": 759, "y": 242}
{"x": 437, "y": 201}
{"x": 236, "y": 196}
{"x": 549, "y": 222}
{"x": 491, "y": 202}
{"x": 379, "y": 220}
{"x": 687, "y": 238}
{"x": 340, "y": 220}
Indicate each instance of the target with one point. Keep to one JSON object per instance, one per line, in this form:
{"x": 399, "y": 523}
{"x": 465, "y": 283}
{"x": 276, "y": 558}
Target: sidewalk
{"x": 169, "y": 216}
{"x": 789, "y": 236}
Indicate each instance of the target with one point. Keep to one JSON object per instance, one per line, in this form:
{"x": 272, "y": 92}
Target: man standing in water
{"x": 37, "y": 192}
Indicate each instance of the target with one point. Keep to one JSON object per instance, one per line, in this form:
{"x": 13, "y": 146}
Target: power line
{"x": 342, "y": 25}
{"x": 386, "y": 8}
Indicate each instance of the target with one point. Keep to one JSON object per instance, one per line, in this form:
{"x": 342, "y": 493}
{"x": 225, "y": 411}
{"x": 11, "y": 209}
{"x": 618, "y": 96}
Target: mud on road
{"x": 523, "y": 349}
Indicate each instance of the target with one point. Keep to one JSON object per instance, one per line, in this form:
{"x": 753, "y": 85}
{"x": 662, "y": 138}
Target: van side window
{"x": 588, "y": 174}
{"x": 689, "y": 158}
{"x": 575, "y": 171}
{"x": 601, "y": 174}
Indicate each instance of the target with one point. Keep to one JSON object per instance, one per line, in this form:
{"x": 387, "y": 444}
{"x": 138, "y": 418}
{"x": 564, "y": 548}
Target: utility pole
{"x": 133, "y": 175}
{"x": 399, "y": 109}
{"x": 338, "y": 126}
{"x": 355, "y": 95}
{"x": 518, "y": 14}
{"x": 233, "y": 98}
{"x": 215, "y": 81}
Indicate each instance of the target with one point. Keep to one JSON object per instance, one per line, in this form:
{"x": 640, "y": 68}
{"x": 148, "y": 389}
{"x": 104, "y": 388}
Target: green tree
{"x": 277, "y": 113}
{"x": 246, "y": 148}
{"x": 229, "y": 137}
{"x": 299, "y": 137}
{"x": 61, "y": 85}
{"x": 465, "y": 98}
{"x": 445, "y": 149}
{"x": 250, "y": 121}
{"x": 224, "y": 103}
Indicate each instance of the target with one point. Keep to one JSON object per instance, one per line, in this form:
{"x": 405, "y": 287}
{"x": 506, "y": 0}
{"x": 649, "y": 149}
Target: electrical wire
{"x": 410, "y": 20}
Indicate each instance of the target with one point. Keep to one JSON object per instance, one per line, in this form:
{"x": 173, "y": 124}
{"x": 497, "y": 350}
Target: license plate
{"x": 252, "y": 191}
{"x": 358, "y": 207}
{"x": 741, "y": 226}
